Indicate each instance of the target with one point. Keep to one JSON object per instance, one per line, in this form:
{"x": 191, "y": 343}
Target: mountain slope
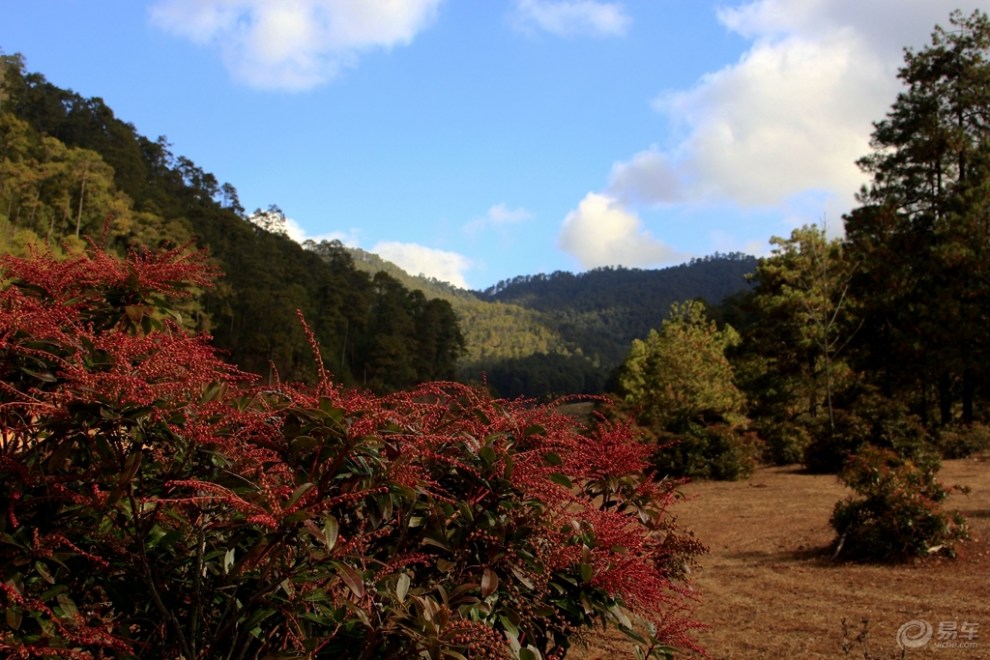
{"x": 565, "y": 333}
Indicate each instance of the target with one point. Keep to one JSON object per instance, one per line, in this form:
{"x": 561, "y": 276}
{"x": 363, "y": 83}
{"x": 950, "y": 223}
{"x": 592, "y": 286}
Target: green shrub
{"x": 963, "y": 440}
{"x": 784, "y": 442}
{"x": 707, "y": 451}
{"x": 897, "y": 513}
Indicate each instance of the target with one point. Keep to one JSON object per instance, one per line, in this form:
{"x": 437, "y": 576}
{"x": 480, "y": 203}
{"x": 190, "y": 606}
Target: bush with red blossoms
{"x": 157, "y": 502}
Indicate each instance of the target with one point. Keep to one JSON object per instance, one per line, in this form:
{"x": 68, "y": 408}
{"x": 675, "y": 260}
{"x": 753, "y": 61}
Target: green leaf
{"x": 586, "y": 572}
{"x": 561, "y": 479}
{"x": 351, "y": 578}
{"x": 530, "y": 653}
{"x": 402, "y": 587}
{"x": 303, "y": 443}
{"x": 212, "y": 392}
{"x": 43, "y": 572}
{"x": 521, "y": 576}
{"x": 511, "y": 629}
{"x": 45, "y": 377}
{"x": 621, "y": 616}
{"x": 298, "y": 493}
{"x": 535, "y": 429}
{"x": 429, "y": 540}
{"x": 465, "y": 510}
{"x": 552, "y": 458}
{"x": 68, "y": 607}
{"x": 331, "y": 530}
{"x": 487, "y": 454}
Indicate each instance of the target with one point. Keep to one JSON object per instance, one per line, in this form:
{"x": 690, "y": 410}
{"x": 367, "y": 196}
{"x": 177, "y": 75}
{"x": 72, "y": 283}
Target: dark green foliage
{"x": 897, "y": 514}
{"x": 871, "y": 419}
{"x": 541, "y": 335}
{"x": 547, "y": 375}
{"x": 785, "y": 442}
{"x": 69, "y": 167}
{"x": 962, "y": 441}
{"x": 678, "y": 384}
{"x": 712, "y": 450}
{"x": 921, "y": 235}
{"x": 604, "y": 309}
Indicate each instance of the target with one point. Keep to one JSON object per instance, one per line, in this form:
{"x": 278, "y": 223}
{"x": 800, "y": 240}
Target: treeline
{"x": 564, "y": 333}
{"x": 879, "y": 339}
{"x": 604, "y": 309}
{"x": 70, "y": 170}
{"x": 597, "y": 314}
{"x": 493, "y": 331}
{"x": 890, "y": 325}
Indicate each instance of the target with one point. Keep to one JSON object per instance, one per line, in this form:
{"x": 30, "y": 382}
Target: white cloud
{"x": 499, "y": 215}
{"x": 602, "y": 232}
{"x": 648, "y": 177}
{"x": 297, "y": 233}
{"x": 564, "y": 18}
{"x": 293, "y": 44}
{"x": 793, "y": 114}
{"x": 429, "y": 262}
{"x": 780, "y": 130}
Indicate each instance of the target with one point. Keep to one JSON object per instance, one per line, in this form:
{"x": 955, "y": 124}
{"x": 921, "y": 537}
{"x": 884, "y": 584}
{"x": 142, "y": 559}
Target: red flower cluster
{"x": 156, "y": 501}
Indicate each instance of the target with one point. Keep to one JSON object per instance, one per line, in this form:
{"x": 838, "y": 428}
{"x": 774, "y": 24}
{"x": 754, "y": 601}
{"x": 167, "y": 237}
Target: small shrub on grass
{"x": 784, "y": 441}
{"x": 154, "y": 502}
{"x": 707, "y": 451}
{"x": 897, "y": 514}
{"x": 963, "y": 440}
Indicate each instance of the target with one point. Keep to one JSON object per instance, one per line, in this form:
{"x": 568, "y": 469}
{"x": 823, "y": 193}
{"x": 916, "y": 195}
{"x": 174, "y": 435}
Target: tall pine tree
{"x": 922, "y": 233}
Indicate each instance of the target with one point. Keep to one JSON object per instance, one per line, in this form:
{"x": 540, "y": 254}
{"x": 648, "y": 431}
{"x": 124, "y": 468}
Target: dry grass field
{"x": 769, "y": 589}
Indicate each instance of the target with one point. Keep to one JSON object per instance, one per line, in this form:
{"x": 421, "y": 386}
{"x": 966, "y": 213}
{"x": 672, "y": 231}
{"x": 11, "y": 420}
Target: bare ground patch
{"x": 769, "y": 588}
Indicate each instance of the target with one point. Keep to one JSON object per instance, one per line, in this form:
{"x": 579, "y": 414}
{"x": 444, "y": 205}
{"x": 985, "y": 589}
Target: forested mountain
{"x": 70, "y": 169}
{"x": 604, "y": 309}
{"x": 565, "y": 333}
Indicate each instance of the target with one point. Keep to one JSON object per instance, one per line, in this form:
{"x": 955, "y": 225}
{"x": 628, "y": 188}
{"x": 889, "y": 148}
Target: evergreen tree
{"x": 922, "y": 233}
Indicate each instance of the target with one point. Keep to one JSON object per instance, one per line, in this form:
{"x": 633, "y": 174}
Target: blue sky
{"x": 477, "y": 140}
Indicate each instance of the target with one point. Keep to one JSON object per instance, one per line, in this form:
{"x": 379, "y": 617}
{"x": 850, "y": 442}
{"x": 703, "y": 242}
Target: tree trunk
{"x": 82, "y": 197}
{"x": 945, "y": 398}
{"x": 968, "y": 394}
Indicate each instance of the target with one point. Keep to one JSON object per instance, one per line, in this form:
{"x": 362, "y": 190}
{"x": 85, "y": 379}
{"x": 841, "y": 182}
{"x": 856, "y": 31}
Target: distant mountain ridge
{"x": 566, "y": 332}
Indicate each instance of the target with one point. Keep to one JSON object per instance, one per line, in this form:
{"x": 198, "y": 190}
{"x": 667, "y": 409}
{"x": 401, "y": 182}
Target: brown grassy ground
{"x": 768, "y": 590}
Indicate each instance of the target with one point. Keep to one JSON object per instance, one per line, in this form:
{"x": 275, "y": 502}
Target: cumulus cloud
{"x": 602, "y": 232}
{"x": 793, "y": 114}
{"x": 429, "y": 262}
{"x": 293, "y": 44}
{"x": 565, "y": 18}
{"x": 781, "y": 129}
{"x": 296, "y": 232}
{"x": 648, "y": 177}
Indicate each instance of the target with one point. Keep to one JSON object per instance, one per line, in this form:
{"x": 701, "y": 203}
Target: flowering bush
{"x": 156, "y": 502}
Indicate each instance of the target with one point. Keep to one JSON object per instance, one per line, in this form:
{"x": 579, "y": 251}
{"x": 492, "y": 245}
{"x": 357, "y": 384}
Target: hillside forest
{"x": 207, "y": 426}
